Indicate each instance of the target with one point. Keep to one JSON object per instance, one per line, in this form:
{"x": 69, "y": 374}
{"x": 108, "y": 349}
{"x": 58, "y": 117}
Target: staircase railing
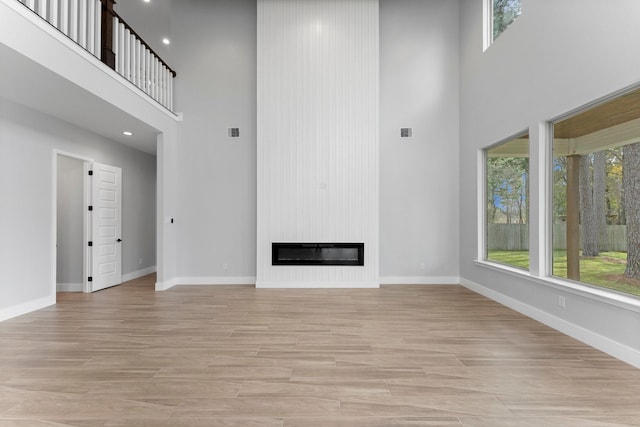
{"x": 94, "y": 25}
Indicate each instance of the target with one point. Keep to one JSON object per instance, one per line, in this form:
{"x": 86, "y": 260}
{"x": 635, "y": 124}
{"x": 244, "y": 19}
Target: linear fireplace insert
{"x": 317, "y": 253}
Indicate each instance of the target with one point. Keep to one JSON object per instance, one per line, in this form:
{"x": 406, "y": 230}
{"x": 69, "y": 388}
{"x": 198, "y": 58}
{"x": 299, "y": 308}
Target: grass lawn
{"x": 606, "y": 270}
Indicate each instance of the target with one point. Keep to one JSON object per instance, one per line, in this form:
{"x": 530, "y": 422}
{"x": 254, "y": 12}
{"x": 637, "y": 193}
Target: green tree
{"x": 507, "y": 189}
{"x": 504, "y": 13}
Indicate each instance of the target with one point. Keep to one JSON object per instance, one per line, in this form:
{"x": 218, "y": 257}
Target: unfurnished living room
{"x": 288, "y": 213}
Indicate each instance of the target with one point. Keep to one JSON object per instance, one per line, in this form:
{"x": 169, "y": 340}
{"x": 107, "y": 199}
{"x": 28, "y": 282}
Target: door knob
{"x": 119, "y": 240}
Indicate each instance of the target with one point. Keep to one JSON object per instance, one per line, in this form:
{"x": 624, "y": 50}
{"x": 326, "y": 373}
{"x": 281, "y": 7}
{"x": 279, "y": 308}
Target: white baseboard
{"x": 600, "y": 342}
{"x": 69, "y": 287}
{"x": 420, "y": 280}
{"x": 26, "y": 307}
{"x": 166, "y": 285}
{"x": 265, "y": 284}
{"x": 230, "y": 280}
{"x": 137, "y": 274}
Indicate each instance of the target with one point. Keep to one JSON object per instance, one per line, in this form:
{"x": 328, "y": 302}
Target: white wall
{"x": 27, "y": 143}
{"x": 558, "y": 56}
{"x": 215, "y": 45}
{"x": 419, "y": 82}
{"x": 318, "y": 142}
{"x": 70, "y": 244}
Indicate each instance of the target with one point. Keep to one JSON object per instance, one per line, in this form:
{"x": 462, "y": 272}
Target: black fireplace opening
{"x": 317, "y": 254}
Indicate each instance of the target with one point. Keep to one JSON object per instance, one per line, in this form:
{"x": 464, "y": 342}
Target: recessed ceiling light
{"x": 147, "y": 1}
{"x": 166, "y": 41}
{"x": 127, "y": 133}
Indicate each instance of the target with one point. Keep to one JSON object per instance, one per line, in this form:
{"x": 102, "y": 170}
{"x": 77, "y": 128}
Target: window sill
{"x": 598, "y": 294}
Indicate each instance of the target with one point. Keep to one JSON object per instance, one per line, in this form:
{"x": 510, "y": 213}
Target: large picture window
{"x": 507, "y": 204}
{"x": 596, "y": 195}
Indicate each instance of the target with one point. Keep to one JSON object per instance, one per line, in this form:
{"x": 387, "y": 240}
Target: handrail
{"x": 96, "y": 27}
{"x": 127, "y": 26}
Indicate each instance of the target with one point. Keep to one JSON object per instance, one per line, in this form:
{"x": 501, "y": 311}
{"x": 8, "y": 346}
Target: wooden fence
{"x": 515, "y": 237}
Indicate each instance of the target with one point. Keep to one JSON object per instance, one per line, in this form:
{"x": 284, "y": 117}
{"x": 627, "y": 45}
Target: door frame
{"x": 86, "y": 198}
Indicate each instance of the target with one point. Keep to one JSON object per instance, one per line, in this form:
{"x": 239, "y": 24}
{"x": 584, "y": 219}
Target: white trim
{"x": 27, "y": 307}
{"x": 86, "y": 218}
{"x": 600, "y": 342}
{"x": 217, "y": 280}
{"x": 266, "y": 284}
{"x": 69, "y": 287}
{"x": 137, "y": 274}
{"x": 602, "y": 295}
{"x": 420, "y": 280}
{"x": 163, "y": 286}
{"x": 487, "y": 24}
{"x": 86, "y": 226}
{"x": 54, "y": 225}
{"x": 481, "y": 182}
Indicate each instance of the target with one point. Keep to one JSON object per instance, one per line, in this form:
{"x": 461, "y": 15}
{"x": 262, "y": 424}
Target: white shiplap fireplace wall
{"x": 318, "y": 142}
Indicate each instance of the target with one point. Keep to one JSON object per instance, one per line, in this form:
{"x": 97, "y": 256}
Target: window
{"x": 596, "y": 195}
{"x": 507, "y": 204}
{"x": 499, "y": 14}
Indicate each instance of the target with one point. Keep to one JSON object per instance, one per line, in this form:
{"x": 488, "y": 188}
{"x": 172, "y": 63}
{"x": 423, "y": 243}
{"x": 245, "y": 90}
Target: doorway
{"x": 70, "y": 223}
{"x": 88, "y": 224}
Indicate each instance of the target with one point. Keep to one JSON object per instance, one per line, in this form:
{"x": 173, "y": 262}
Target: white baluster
{"x": 132, "y": 60}
{"x": 82, "y": 21}
{"x": 97, "y": 19}
{"x": 115, "y": 43}
{"x": 121, "y": 41}
{"x": 31, "y": 4}
{"x": 164, "y": 85}
{"x": 143, "y": 67}
{"x": 138, "y": 81}
{"x": 126, "y": 53}
{"x": 170, "y": 92}
{"x": 53, "y": 12}
{"x": 121, "y": 48}
{"x": 152, "y": 79}
{"x": 73, "y": 20}
{"x": 160, "y": 87}
{"x": 156, "y": 78}
{"x": 147, "y": 60}
{"x": 64, "y": 16}
{"x": 42, "y": 8}
{"x": 152, "y": 65}
{"x": 91, "y": 30}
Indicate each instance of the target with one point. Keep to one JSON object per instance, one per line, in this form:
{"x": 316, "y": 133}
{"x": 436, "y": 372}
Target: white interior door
{"x": 106, "y": 227}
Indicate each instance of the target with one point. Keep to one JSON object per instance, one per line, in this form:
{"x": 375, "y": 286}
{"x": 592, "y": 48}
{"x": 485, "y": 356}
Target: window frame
{"x": 483, "y": 181}
{"x": 589, "y": 288}
{"x": 488, "y": 26}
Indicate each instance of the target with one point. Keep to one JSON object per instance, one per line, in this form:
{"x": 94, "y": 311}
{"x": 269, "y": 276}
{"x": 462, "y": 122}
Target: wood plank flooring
{"x": 239, "y": 356}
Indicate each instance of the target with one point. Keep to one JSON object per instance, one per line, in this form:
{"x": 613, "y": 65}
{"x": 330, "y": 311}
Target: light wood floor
{"x": 237, "y": 356}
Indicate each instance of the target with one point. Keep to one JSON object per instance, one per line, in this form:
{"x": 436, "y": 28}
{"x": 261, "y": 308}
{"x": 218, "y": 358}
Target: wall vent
{"x": 234, "y": 132}
{"x": 406, "y": 132}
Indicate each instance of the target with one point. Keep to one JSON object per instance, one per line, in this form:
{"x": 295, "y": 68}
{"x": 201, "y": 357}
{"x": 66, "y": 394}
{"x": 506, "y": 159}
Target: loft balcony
{"x": 96, "y": 27}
